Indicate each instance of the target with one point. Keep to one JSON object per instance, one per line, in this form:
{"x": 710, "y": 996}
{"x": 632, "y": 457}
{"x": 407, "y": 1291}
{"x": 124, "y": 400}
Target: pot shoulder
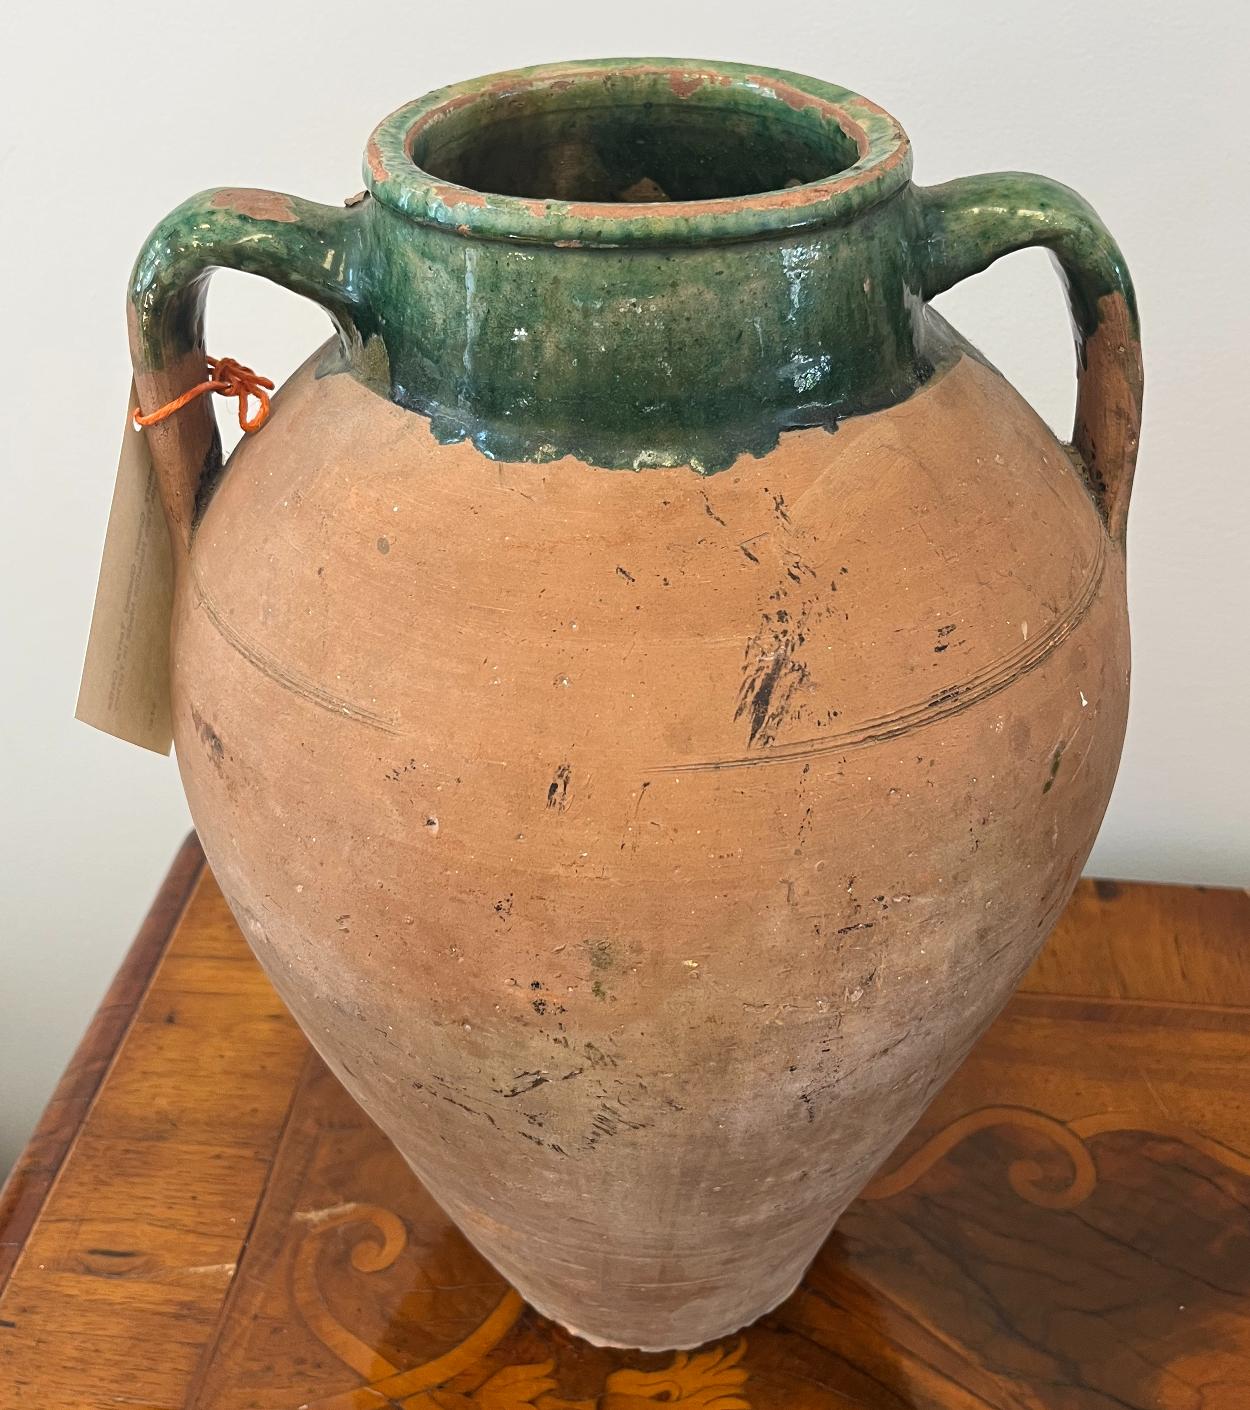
{"x": 845, "y": 584}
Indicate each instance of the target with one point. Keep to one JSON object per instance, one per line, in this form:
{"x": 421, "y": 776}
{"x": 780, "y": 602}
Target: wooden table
{"x": 205, "y": 1219}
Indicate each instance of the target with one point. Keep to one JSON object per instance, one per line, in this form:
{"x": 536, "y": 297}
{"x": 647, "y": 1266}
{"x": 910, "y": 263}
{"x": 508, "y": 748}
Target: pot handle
{"x": 308, "y": 248}
{"x": 969, "y": 223}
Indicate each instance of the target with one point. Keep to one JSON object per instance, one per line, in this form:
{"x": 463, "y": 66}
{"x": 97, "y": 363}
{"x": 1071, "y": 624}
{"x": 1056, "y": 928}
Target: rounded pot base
{"x": 733, "y": 1329}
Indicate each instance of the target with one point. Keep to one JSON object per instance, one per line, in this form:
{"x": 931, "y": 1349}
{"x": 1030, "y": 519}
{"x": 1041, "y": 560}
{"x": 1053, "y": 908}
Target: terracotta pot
{"x": 650, "y": 687}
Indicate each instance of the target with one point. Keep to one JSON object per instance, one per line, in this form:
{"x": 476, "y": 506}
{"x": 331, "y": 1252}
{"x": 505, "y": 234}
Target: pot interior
{"x": 631, "y": 136}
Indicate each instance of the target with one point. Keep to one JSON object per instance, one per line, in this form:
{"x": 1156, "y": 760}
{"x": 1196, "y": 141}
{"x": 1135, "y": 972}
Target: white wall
{"x": 113, "y": 113}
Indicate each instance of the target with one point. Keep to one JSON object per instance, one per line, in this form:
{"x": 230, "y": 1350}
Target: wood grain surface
{"x": 205, "y": 1219}
{"x": 31, "y": 1177}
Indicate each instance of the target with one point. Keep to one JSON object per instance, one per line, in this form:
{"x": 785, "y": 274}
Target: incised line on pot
{"x": 948, "y": 702}
{"x": 288, "y": 677}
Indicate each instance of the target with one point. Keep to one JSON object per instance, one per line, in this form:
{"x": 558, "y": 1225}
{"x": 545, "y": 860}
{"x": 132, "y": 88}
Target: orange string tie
{"x": 230, "y": 379}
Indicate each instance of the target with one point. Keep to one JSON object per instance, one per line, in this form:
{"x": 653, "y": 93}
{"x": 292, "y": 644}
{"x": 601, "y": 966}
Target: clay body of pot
{"x": 650, "y": 687}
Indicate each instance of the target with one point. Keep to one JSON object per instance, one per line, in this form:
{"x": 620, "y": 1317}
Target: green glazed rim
{"x": 883, "y": 165}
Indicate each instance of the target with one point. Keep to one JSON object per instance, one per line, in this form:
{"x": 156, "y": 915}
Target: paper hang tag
{"x": 125, "y": 677}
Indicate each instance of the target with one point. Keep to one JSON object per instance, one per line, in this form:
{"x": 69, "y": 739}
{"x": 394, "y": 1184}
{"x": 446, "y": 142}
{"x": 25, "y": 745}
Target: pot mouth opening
{"x": 629, "y": 151}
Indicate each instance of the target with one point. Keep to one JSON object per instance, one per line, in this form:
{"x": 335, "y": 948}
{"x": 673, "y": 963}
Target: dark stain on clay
{"x": 547, "y": 1145}
{"x": 525, "y": 1082}
{"x": 1055, "y": 761}
{"x": 597, "y": 1056}
{"x": 451, "y": 1101}
{"x": 711, "y": 513}
{"x": 213, "y": 746}
{"x": 471, "y": 1110}
{"x": 772, "y": 674}
{"x": 796, "y": 570}
{"x": 542, "y": 1006}
{"x": 384, "y": 544}
{"x": 624, "y": 573}
{"x": 608, "y": 1122}
{"x": 558, "y": 792}
{"x": 866, "y": 982}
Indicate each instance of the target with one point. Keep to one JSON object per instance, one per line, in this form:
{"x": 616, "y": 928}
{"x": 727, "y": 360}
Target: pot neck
{"x": 638, "y": 262}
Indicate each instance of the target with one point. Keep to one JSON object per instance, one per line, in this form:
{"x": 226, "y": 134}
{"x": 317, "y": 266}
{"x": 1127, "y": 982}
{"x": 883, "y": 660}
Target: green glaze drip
{"x": 672, "y": 263}
{"x": 642, "y": 356}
